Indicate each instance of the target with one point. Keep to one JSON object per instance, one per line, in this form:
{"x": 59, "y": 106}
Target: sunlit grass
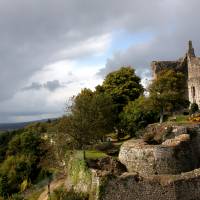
{"x": 179, "y": 119}
{"x": 91, "y": 154}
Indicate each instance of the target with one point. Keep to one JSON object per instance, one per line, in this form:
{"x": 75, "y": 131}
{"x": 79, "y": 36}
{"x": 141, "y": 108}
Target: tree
{"x": 89, "y": 118}
{"x": 137, "y": 115}
{"x": 59, "y": 143}
{"x": 167, "y": 92}
{"x": 123, "y": 85}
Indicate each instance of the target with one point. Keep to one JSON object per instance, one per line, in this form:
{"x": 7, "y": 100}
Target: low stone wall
{"x": 90, "y": 181}
{"x": 133, "y": 187}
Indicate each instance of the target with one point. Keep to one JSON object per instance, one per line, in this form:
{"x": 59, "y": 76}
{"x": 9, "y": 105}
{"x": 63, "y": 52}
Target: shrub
{"x": 16, "y": 197}
{"x": 62, "y": 194}
{"x": 137, "y": 115}
{"x": 194, "y": 108}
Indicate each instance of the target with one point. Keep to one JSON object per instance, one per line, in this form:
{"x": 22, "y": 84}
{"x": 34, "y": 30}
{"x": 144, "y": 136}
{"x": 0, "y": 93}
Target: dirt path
{"x": 55, "y": 184}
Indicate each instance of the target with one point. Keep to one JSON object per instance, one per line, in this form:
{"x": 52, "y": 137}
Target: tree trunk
{"x": 49, "y": 190}
{"x": 84, "y": 157}
{"x": 161, "y": 115}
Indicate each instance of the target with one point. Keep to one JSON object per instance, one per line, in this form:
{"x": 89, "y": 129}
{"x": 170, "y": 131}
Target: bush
{"x": 194, "y": 108}
{"x": 62, "y": 194}
{"x": 137, "y": 115}
{"x": 16, "y": 197}
{"x": 104, "y": 146}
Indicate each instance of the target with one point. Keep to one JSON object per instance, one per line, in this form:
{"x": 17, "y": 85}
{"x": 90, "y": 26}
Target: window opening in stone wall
{"x": 193, "y": 91}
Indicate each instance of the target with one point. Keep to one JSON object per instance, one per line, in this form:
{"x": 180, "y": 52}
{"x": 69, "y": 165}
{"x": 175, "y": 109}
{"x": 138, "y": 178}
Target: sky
{"x": 50, "y": 49}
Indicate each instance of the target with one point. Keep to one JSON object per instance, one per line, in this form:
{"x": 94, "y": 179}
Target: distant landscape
{"x": 19, "y": 125}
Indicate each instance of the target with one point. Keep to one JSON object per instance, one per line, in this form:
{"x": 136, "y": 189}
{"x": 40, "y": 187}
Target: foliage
{"x": 5, "y": 137}
{"x": 91, "y": 117}
{"x": 62, "y": 194}
{"x": 78, "y": 170}
{"x": 21, "y": 165}
{"x": 60, "y": 143}
{"x": 16, "y": 197}
{"x": 137, "y": 115}
{"x": 123, "y": 85}
{"x": 27, "y": 143}
{"x": 195, "y": 117}
{"x": 4, "y": 186}
{"x": 167, "y": 92}
{"x": 194, "y": 108}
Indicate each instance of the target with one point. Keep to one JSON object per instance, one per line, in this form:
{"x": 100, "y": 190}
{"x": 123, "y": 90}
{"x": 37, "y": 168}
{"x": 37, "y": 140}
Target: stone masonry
{"x": 190, "y": 66}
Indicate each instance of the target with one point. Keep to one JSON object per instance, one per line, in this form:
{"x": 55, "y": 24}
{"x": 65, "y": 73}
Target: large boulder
{"x": 173, "y": 156}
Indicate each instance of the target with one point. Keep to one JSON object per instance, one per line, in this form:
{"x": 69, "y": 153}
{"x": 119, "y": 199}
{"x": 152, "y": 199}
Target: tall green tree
{"x": 89, "y": 118}
{"x": 123, "y": 85}
{"x": 167, "y": 92}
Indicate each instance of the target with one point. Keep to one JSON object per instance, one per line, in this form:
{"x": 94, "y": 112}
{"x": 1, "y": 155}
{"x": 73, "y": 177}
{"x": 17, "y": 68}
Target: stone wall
{"x": 194, "y": 80}
{"x": 134, "y": 187}
{"x": 179, "y": 65}
{"x": 190, "y": 66}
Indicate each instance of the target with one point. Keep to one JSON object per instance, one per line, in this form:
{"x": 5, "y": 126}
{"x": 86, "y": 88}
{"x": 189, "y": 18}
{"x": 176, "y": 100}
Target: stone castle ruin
{"x": 190, "y": 66}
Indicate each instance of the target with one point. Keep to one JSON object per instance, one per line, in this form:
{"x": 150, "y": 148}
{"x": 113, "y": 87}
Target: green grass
{"x": 91, "y": 154}
{"x": 179, "y": 119}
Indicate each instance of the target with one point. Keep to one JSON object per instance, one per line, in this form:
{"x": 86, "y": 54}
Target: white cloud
{"x": 97, "y": 45}
{"x": 41, "y": 103}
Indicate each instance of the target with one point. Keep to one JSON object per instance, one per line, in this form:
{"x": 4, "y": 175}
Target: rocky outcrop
{"x": 172, "y": 156}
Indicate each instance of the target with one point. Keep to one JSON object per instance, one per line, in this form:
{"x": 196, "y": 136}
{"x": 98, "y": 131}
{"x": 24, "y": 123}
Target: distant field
{"x": 15, "y": 126}
{"x": 12, "y": 126}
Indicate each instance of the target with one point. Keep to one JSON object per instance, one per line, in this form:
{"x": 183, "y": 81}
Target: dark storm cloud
{"x": 49, "y": 85}
{"x": 169, "y": 42}
{"x": 33, "y": 86}
{"x": 34, "y": 34}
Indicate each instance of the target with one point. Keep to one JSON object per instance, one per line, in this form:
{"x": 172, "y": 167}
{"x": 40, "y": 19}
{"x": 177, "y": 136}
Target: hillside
{"x": 15, "y": 126}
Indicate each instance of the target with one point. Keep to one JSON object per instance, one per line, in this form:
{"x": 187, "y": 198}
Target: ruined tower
{"x": 193, "y": 75}
{"x": 190, "y": 66}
